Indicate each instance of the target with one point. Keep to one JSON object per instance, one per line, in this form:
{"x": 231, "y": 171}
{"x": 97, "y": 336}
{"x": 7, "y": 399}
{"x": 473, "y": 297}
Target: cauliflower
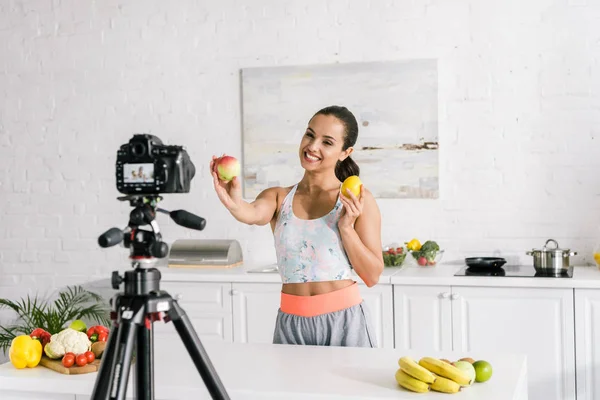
{"x": 67, "y": 341}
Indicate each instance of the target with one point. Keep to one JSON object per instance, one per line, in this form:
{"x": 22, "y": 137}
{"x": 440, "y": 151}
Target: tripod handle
{"x": 111, "y": 237}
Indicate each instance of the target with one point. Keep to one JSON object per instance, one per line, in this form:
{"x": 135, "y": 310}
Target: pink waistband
{"x": 310, "y": 306}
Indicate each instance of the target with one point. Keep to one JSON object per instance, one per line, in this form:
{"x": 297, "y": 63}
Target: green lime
{"x": 78, "y": 325}
{"x": 483, "y": 370}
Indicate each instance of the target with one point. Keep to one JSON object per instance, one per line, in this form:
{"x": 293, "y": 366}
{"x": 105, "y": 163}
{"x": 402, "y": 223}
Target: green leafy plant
{"x": 73, "y": 302}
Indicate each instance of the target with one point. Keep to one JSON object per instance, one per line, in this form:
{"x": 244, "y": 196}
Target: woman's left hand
{"x": 353, "y": 207}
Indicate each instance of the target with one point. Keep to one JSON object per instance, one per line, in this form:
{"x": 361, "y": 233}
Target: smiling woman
{"x": 320, "y": 237}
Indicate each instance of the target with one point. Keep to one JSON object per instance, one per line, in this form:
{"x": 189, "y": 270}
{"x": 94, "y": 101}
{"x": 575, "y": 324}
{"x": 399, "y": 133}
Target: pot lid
{"x": 555, "y": 249}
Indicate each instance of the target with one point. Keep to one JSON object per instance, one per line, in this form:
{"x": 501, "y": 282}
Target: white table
{"x": 254, "y": 371}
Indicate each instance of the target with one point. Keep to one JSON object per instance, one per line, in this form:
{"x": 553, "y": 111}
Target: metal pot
{"x": 551, "y": 261}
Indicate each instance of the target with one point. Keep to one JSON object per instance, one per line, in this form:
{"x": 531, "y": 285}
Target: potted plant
{"x": 72, "y": 303}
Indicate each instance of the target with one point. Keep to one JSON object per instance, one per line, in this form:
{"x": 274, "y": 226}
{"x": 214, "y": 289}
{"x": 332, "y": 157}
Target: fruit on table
{"x": 467, "y": 368}
{"x": 65, "y": 341}
{"x": 410, "y": 366}
{"x": 42, "y": 336}
{"x": 414, "y": 245}
{"x": 445, "y": 385}
{"x": 78, "y": 325}
{"x": 410, "y": 383}
{"x": 597, "y": 258}
{"x": 445, "y": 370}
{"x": 228, "y": 167}
{"x": 353, "y": 183}
{"x": 25, "y": 352}
{"x": 97, "y": 333}
{"x": 68, "y": 360}
{"x": 483, "y": 370}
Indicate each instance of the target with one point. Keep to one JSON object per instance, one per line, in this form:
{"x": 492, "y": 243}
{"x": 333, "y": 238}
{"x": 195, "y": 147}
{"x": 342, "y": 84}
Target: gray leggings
{"x": 350, "y": 327}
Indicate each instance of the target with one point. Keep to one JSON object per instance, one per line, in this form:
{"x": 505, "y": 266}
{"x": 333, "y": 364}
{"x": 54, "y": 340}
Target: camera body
{"x": 146, "y": 166}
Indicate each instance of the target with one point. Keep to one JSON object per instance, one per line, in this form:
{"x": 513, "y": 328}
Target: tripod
{"x": 142, "y": 303}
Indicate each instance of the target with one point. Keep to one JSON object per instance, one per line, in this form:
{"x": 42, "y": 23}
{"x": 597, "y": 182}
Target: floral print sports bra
{"x": 310, "y": 250}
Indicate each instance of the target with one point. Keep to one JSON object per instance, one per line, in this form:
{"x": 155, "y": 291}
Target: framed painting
{"x": 394, "y": 102}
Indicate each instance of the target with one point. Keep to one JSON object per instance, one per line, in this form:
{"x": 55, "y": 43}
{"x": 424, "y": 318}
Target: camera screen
{"x": 138, "y": 173}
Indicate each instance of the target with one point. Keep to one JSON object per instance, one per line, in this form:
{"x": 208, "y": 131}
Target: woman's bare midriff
{"x": 315, "y": 288}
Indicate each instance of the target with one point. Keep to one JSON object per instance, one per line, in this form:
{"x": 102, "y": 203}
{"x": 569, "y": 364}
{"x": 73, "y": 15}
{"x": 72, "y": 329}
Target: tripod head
{"x": 145, "y": 246}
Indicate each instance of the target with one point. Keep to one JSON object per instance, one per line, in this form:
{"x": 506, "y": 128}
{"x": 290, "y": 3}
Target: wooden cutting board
{"x": 56, "y": 365}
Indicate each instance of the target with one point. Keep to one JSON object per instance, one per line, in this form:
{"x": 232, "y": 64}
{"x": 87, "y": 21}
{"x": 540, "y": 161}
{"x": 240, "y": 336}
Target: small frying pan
{"x": 485, "y": 262}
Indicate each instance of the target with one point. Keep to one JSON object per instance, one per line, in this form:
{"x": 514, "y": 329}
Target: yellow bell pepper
{"x": 414, "y": 245}
{"x": 25, "y": 352}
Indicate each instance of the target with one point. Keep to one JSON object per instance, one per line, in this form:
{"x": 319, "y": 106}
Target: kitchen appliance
{"x": 551, "y": 260}
{"x": 519, "y": 271}
{"x": 485, "y": 262}
{"x": 207, "y": 253}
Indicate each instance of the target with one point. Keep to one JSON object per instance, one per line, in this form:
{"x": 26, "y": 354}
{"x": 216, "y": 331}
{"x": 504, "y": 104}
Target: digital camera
{"x": 146, "y": 166}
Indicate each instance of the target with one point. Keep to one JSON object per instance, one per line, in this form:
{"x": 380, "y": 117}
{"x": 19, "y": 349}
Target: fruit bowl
{"x": 427, "y": 258}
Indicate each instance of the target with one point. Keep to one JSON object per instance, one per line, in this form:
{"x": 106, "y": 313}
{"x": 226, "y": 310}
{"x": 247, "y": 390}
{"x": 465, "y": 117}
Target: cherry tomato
{"x": 68, "y": 360}
{"x": 89, "y": 356}
{"x": 70, "y": 354}
{"x": 81, "y": 359}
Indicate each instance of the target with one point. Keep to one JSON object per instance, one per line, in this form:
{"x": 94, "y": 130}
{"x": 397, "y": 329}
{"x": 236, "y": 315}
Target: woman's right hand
{"x": 230, "y": 193}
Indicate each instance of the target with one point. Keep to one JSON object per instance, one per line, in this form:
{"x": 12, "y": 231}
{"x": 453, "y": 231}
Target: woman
{"x": 320, "y": 236}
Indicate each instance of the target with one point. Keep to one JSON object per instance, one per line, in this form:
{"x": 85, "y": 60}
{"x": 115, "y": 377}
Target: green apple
{"x": 468, "y": 369}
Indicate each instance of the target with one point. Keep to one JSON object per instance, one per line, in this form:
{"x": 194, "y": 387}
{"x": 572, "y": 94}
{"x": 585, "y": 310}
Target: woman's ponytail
{"x": 346, "y": 168}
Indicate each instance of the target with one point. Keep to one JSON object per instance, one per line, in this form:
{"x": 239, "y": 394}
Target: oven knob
{"x": 454, "y": 296}
{"x": 445, "y": 295}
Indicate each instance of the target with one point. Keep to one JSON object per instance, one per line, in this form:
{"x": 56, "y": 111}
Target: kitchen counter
{"x": 440, "y": 275}
{"x": 244, "y": 273}
{"x": 266, "y": 371}
{"x": 584, "y": 277}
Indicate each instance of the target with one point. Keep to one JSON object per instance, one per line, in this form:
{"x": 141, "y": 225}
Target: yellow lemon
{"x": 353, "y": 183}
{"x": 597, "y": 258}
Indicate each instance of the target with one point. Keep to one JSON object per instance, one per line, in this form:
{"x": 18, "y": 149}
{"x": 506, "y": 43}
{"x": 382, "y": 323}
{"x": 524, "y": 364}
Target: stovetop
{"x": 524, "y": 271}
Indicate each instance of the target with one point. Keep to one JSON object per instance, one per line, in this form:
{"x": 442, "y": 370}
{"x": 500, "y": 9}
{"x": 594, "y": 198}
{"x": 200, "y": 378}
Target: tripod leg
{"x": 197, "y": 352}
{"x": 144, "y": 368}
{"x": 127, "y": 336}
{"x": 107, "y": 364}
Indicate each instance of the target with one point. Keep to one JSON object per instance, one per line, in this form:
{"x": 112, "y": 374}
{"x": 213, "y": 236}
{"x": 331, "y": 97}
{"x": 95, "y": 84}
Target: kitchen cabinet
{"x": 423, "y": 318}
{"x": 534, "y": 321}
{"x": 537, "y": 322}
{"x": 587, "y": 326}
{"x": 255, "y": 307}
{"x": 207, "y": 305}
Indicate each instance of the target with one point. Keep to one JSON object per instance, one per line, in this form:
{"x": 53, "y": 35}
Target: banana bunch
{"x": 430, "y": 374}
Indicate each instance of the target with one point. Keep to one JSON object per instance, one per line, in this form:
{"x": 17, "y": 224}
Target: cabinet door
{"x": 207, "y": 305}
{"x": 378, "y": 300}
{"x": 423, "y": 318}
{"x": 255, "y": 307}
{"x": 537, "y": 322}
{"x": 587, "y": 326}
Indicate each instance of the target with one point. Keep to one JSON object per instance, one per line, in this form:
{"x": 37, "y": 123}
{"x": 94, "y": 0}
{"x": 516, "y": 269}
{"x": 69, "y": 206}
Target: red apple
{"x": 422, "y": 261}
{"x": 228, "y": 167}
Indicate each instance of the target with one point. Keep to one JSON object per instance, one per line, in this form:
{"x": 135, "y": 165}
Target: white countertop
{"x": 442, "y": 275}
{"x": 268, "y": 371}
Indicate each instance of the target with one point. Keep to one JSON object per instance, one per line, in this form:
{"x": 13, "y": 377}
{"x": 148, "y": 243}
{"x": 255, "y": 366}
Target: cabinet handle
{"x": 234, "y": 292}
{"x": 444, "y": 295}
{"x": 454, "y": 296}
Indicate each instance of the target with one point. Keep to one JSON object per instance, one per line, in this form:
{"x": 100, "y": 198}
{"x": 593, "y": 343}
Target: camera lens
{"x": 138, "y": 149}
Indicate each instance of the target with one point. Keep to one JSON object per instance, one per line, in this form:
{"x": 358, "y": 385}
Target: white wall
{"x": 519, "y": 95}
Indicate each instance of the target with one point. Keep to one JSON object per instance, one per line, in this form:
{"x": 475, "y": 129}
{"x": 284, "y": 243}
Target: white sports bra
{"x": 310, "y": 250}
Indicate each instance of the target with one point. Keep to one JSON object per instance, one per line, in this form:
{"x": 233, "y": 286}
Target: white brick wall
{"x": 519, "y": 117}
